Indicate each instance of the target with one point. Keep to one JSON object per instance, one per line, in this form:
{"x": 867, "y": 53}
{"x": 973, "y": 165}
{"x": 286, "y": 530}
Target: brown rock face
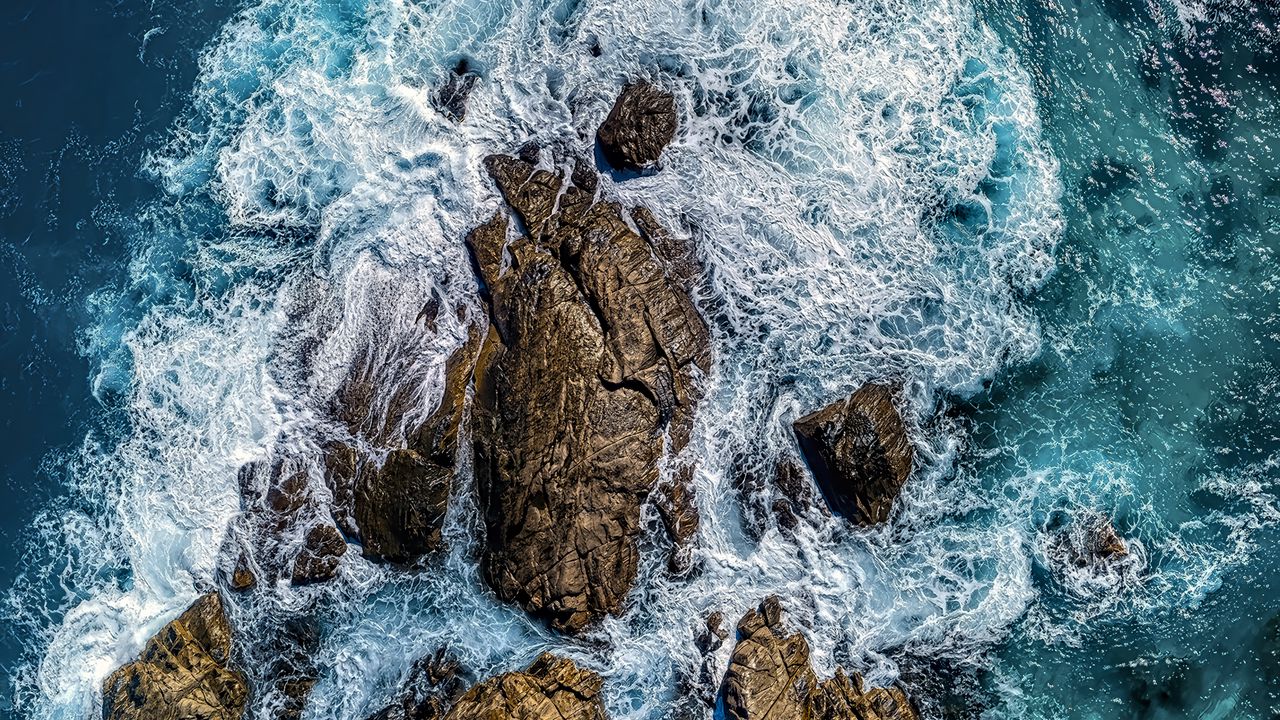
{"x": 641, "y": 124}
{"x": 770, "y": 678}
{"x": 593, "y": 355}
{"x": 435, "y": 683}
{"x": 323, "y": 548}
{"x": 182, "y": 673}
{"x": 398, "y": 508}
{"x": 859, "y": 453}
{"x": 551, "y": 688}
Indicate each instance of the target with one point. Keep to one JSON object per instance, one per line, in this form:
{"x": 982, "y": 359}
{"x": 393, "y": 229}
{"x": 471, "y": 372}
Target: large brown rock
{"x": 182, "y": 674}
{"x": 770, "y": 678}
{"x": 640, "y": 125}
{"x": 859, "y": 453}
{"x": 594, "y": 354}
{"x": 551, "y": 688}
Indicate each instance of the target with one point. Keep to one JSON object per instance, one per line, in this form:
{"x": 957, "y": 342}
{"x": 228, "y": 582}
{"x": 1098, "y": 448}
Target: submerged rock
{"x": 859, "y": 453}
{"x": 398, "y": 507}
{"x": 434, "y": 684}
{"x": 594, "y": 352}
{"x": 182, "y": 673}
{"x": 284, "y": 529}
{"x": 322, "y": 550}
{"x": 640, "y": 125}
{"x": 551, "y": 688}
{"x": 1104, "y": 543}
{"x": 770, "y": 678}
{"x": 451, "y": 98}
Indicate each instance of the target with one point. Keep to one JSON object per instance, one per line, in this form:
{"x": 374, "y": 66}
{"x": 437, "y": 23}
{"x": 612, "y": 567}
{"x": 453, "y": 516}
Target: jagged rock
{"x": 859, "y": 453}
{"x": 780, "y": 488}
{"x": 770, "y": 678}
{"x": 322, "y": 550}
{"x": 451, "y": 98}
{"x": 242, "y": 577}
{"x": 434, "y": 684}
{"x": 1104, "y": 542}
{"x": 594, "y": 352}
{"x": 640, "y": 125}
{"x": 182, "y": 673}
{"x": 398, "y": 507}
{"x": 551, "y": 688}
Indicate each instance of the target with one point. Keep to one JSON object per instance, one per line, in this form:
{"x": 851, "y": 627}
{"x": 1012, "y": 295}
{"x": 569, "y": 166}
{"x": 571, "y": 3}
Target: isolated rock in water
{"x": 859, "y": 453}
{"x": 551, "y": 688}
{"x": 641, "y": 124}
{"x": 594, "y": 353}
{"x": 451, "y": 98}
{"x": 770, "y": 678}
{"x": 1104, "y": 542}
{"x": 182, "y": 672}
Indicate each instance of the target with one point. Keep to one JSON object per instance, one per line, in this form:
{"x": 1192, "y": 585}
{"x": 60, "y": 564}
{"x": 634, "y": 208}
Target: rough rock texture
{"x": 593, "y": 355}
{"x": 1104, "y": 542}
{"x": 451, "y": 98}
{"x": 859, "y": 453}
{"x": 780, "y": 489}
{"x": 397, "y": 507}
{"x": 182, "y": 674}
{"x": 322, "y": 549}
{"x": 770, "y": 678}
{"x": 642, "y": 122}
{"x": 551, "y": 688}
{"x": 280, "y": 512}
{"x": 434, "y": 684}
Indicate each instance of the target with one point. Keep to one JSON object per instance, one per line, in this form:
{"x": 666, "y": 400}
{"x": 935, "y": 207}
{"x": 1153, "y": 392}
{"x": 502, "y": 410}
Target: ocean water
{"x": 1053, "y": 222}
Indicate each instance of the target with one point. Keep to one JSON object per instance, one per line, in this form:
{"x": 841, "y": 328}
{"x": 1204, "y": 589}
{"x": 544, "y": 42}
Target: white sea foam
{"x": 866, "y": 187}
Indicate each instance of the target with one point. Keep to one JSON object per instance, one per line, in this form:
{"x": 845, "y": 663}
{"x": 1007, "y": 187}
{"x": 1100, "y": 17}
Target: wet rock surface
{"x": 434, "y": 685}
{"x": 593, "y": 356}
{"x": 396, "y": 505}
{"x": 451, "y": 97}
{"x": 183, "y": 672}
{"x": 770, "y": 678}
{"x": 859, "y": 453}
{"x": 551, "y": 688}
{"x": 640, "y": 125}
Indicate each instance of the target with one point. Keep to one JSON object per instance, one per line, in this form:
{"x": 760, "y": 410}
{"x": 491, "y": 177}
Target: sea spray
{"x": 868, "y": 192}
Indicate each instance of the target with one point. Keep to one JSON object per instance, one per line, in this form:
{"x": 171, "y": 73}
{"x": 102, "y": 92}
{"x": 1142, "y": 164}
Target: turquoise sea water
{"x": 1055, "y": 221}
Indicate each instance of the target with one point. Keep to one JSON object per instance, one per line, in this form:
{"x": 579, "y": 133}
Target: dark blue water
{"x": 84, "y": 93}
{"x": 173, "y": 188}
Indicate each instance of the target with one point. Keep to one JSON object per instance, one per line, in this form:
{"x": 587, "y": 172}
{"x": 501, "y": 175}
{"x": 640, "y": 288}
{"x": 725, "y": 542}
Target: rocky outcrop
{"x": 435, "y": 683}
{"x": 284, "y": 529}
{"x": 593, "y": 355}
{"x": 551, "y": 688}
{"x": 451, "y": 97}
{"x": 183, "y": 672}
{"x": 640, "y": 125}
{"x": 859, "y": 453}
{"x": 770, "y": 678}
{"x": 396, "y": 505}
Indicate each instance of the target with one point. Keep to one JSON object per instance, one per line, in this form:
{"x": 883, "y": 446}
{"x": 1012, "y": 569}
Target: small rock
{"x": 1104, "y": 542}
{"x": 551, "y": 688}
{"x": 243, "y": 578}
{"x": 322, "y": 550}
{"x": 182, "y": 673}
{"x": 451, "y": 98}
{"x": 641, "y": 124}
{"x": 859, "y": 453}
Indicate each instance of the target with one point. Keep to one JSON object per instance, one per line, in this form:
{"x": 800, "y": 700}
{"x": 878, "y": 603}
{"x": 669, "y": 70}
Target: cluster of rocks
{"x": 586, "y": 374}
